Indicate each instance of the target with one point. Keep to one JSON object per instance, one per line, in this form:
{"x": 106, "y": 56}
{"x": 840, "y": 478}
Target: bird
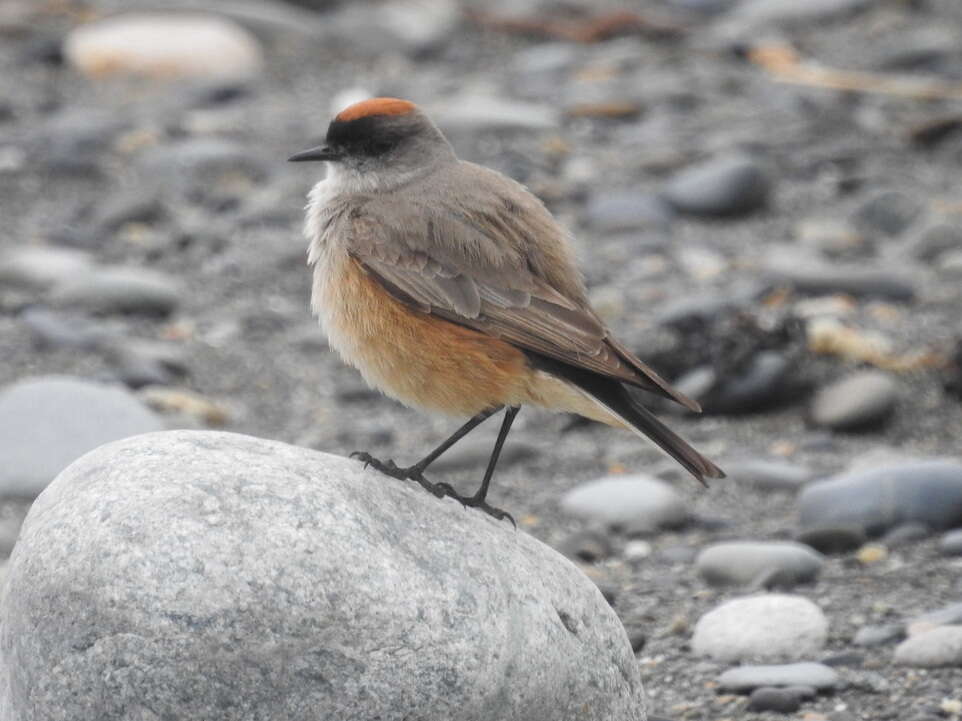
{"x": 452, "y": 288}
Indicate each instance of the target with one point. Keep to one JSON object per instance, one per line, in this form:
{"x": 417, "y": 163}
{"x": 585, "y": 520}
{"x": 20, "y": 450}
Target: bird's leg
{"x": 478, "y": 499}
{"x": 416, "y": 472}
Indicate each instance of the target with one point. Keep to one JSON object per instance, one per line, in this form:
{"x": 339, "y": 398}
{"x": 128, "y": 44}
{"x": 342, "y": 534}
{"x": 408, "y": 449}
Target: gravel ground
{"x": 844, "y": 182}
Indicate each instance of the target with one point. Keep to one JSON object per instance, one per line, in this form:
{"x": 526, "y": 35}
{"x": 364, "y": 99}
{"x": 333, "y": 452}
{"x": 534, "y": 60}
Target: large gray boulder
{"x": 202, "y": 575}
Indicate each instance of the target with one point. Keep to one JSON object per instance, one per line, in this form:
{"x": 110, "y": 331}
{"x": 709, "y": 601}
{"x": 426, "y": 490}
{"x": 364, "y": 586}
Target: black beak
{"x": 321, "y": 152}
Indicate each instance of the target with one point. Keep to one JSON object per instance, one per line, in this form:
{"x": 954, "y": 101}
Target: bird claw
{"x": 438, "y": 490}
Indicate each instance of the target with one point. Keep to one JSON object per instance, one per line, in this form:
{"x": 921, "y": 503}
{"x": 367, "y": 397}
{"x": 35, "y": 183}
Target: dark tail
{"x": 613, "y": 397}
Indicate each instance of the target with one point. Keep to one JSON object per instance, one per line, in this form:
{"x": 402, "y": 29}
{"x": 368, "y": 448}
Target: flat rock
{"x": 864, "y": 399}
{"x": 745, "y": 678}
{"x": 617, "y": 211}
{"x": 773, "y": 563}
{"x": 723, "y": 186}
{"x": 47, "y": 422}
{"x": 878, "y": 498}
{"x": 823, "y": 279}
{"x": 940, "y": 646}
{"x": 163, "y": 45}
{"x": 769, "y": 475}
{"x": 770, "y": 626}
{"x": 216, "y": 576}
{"x": 633, "y": 504}
{"x": 41, "y": 267}
{"x": 117, "y": 289}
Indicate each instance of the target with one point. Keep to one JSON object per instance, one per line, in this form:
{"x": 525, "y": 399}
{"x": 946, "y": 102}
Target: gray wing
{"x": 479, "y": 270}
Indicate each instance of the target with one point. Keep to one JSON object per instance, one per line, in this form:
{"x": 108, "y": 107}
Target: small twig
{"x": 786, "y": 67}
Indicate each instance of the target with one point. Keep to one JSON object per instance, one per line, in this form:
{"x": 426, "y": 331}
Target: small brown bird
{"x": 451, "y": 288}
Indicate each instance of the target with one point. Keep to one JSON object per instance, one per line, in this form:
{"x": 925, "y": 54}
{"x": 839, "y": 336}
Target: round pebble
{"x": 163, "y": 45}
{"x": 862, "y": 400}
{"x": 733, "y": 185}
{"x": 774, "y": 563}
{"x": 941, "y": 646}
{"x": 773, "y": 626}
{"x": 633, "y": 504}
{"x": 41, "y": 267}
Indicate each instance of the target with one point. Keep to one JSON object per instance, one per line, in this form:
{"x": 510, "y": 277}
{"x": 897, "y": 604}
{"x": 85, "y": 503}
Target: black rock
{"x": 771, "y": 698}
{"x": 833, "y": 539}
{"x": 767, "y": 381}
{"x": 890, "y": 212}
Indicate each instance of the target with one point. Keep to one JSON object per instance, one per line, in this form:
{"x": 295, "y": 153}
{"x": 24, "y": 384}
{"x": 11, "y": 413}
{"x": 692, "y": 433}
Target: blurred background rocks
{"x": 764, "y": 197}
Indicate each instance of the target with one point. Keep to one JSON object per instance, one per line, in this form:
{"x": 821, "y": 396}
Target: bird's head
{"x": 381, "y": 137}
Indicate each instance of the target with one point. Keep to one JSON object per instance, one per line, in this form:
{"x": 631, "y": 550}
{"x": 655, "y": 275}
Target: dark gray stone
{"x": 199, "y": 575}
{"x": 766, "y": 381}
{"x": 862, "y": 400}
{"x": 47, "y": 422}
{"x": 772, "y": 698}
{"x": 890, "y": 212}
{"x": 879, "y": 498}
{"x": 817, "y": 279}
{"x": 57, "y": 329}
{"x": 633, "y": 504}
{"x": 772, "y": 563}
{"x": 746, "y": 678}
{"x": 725, "y": 186}
{"x": 119, "y": 290}
{"x": 75, "y": 140}
{"x": 905, "y": 534}
{"x": 833, "y": 539}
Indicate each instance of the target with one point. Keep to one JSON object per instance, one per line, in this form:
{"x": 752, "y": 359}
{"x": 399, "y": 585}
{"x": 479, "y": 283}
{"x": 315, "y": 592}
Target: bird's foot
{"x": 479, "y": 503}
{"x": 439, "y": 490}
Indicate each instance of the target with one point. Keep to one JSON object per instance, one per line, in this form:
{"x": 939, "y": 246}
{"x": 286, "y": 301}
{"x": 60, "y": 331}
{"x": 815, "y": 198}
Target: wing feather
{"x": 480, "y": 270}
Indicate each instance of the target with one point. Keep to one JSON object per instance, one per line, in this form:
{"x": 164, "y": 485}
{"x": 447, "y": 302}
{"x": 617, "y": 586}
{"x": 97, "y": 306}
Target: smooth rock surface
{"x": 163, "y": 45}
{"x": 941, "y": 646}
{"x": 745, "y": 678}
{"x": 773, "y": 563}
{"x": 863, "y": 399}
{"x": 878, "y": 498}
{"x": 722, "y": 186}
{"x": 47, "y": 422}
{"x": 119, "y": 290}
{"x": 951, "y": 543}
{"x": 771, "y": 626}
{"x": 216, "y": 576}
{"x": 41, "y": 267}
{"x": 633, "y": 504}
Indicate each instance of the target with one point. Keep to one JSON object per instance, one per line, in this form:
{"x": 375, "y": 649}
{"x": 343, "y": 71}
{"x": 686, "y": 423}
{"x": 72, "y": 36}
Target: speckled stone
{"x": 770, "y": 626}
{"x": 201, "y": 575}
